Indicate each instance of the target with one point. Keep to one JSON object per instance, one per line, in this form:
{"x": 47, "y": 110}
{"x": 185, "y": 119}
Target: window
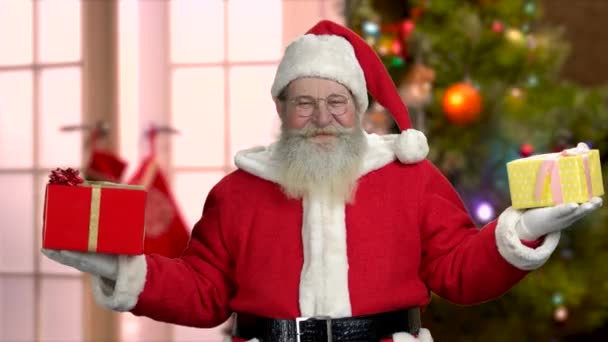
{"x": 40, "y": 90}
{"x": 205, "y": 68}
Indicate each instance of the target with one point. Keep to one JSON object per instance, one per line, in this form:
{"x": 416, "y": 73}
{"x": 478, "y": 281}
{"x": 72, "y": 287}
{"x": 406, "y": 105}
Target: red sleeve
{"x": 460, "y": 262}
{"x": 193, "y": 290}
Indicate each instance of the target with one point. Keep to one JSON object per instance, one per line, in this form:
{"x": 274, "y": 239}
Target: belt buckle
{"x": 298, "y": 320}
{"x": 327, "y": 319}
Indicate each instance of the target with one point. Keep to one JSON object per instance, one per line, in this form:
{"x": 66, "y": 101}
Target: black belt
{"x": 370, "y": 328}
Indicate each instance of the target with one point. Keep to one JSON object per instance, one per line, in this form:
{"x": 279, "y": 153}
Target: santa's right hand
{"x": 104, "y": 265}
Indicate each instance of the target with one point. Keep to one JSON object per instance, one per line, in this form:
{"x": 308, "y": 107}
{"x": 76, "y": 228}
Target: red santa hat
{"x": 334, "y": 52}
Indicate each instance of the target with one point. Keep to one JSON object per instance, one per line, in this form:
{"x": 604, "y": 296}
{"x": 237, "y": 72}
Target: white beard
{"x": 306, "y": 166}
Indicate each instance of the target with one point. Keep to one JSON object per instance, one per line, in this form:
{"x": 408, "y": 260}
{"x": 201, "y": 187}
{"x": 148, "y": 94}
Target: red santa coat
{"x": 254, "y": 250}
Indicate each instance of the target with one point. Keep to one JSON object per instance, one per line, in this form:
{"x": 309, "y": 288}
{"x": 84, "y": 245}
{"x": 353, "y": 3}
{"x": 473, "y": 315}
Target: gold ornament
{"x": 515, "y": 36}
{"x": 384, "y": 45}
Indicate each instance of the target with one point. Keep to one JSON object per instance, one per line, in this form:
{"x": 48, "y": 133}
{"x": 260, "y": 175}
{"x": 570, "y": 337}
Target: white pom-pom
{"x": 411, "y": 146}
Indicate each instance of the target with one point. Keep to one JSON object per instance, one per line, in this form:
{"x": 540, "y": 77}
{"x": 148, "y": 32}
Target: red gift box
{"x": 94, "y": 217}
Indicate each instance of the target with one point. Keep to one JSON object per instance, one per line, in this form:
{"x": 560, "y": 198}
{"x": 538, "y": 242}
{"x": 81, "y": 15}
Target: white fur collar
{"x": 259, "y": 161}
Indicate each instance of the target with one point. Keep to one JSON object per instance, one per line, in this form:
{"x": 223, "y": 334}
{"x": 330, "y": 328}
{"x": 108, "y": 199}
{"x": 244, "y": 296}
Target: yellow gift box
{"x": 573, "y": 175}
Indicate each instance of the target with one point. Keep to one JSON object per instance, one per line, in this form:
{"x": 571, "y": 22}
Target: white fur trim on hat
{"x": 129, "y": 284}
{"x": 411, "y": 146}
{"x": 326, "y": 56}
{"x": 514, "y": 251}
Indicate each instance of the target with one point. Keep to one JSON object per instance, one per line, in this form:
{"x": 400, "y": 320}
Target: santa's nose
{"x": 321, "y": 117}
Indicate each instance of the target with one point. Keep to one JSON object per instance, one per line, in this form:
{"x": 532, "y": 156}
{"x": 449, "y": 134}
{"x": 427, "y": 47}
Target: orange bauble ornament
{"x": 462, "y": 103}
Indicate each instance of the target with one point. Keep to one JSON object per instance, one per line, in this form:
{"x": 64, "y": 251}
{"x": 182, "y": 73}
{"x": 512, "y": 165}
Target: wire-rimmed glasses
{"x": 305, "y": 106}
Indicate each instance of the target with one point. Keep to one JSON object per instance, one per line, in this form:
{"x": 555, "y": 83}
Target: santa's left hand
{"x": 538, "y": 222}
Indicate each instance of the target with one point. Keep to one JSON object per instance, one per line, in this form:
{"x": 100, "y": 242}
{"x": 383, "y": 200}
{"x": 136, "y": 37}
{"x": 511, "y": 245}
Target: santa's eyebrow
{"x": 314, "y": 97}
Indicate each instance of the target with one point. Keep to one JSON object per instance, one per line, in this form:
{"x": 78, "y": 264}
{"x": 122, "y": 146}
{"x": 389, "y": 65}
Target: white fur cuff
{"x": 130, "y": 283}
{"x": 411, "y": 146}
{"x": 424, "y": 335}
{"x": 516, "y": 253}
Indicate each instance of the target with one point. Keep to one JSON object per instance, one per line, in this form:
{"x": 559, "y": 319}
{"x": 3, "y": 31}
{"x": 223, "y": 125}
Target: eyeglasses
{"x": 306, "y": 105}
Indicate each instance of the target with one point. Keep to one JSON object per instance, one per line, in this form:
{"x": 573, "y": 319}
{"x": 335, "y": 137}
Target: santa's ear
{"x": 279, "y": 105}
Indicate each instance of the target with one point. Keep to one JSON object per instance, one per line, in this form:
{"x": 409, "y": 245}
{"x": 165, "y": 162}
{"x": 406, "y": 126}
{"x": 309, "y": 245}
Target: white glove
{"x": 535, "y": 223}
{"x": 104, "y": 265}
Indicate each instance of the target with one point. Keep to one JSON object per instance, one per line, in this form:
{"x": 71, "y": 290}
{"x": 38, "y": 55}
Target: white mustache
{"x": 310, "y": 131}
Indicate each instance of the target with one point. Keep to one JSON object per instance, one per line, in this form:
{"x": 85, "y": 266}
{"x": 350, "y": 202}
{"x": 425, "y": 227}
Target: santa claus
{"x": 330, "y": 233}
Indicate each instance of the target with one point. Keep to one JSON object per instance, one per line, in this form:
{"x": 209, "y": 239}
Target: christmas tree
{"x": 481, "y": 79}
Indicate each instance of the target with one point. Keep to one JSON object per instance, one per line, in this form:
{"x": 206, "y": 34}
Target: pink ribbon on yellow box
{"x": 573, "y": 175}
{"x": 550, "y": 168}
